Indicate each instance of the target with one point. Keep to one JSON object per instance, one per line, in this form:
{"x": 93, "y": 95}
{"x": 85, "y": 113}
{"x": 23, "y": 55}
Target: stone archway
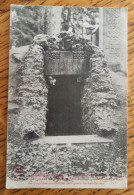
{"x": 98, "y": 99}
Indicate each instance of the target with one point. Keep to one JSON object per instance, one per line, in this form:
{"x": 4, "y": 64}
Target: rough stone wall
{"x": 65, "y": 162}
{"x": 98, "y": 98}
{"x": 32, "y": 93}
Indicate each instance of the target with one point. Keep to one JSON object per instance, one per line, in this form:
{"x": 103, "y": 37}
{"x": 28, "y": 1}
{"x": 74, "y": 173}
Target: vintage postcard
{"x": 67, "y": 102}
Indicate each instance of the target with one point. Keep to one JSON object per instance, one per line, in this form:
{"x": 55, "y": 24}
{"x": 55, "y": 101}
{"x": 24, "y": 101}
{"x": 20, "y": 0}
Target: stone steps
{"x": 73, "y": 139}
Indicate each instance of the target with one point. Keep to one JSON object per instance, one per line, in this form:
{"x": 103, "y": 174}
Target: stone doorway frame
{"x": 97, "y": 94}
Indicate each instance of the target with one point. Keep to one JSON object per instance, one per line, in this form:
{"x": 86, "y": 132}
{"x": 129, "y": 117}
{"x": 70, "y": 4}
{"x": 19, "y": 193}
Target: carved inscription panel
{"x": 66, "y": 62}
{"x": 114, "y": 31}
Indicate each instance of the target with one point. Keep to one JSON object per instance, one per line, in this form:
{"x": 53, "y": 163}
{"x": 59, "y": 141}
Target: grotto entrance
{"x": 64, "y": 106}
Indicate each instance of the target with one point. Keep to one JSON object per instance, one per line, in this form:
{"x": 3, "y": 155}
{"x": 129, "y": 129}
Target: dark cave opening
{"x": 64, "y": 106}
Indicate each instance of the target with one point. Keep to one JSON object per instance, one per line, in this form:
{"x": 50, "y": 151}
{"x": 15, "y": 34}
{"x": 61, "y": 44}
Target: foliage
{"x": 26, "y": 22}
{"x": 29, "y": 21}
{"x": 68, "y": 161}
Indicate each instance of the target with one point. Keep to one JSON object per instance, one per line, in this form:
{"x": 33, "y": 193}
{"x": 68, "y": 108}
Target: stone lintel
{"x": 66, "y": 62}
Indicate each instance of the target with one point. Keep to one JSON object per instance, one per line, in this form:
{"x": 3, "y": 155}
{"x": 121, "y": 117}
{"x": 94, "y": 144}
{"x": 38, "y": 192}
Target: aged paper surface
{"x": 67, "y": 116}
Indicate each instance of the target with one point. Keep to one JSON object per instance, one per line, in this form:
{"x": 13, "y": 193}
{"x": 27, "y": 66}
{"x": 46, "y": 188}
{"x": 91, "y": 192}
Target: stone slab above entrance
{"x": 66, "y": 62}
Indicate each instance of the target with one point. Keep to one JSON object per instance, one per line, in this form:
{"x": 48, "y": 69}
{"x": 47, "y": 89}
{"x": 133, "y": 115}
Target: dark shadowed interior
{"x": 64, "y": 106}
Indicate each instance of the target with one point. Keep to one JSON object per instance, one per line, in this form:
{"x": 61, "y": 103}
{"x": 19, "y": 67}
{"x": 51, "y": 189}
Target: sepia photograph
{"x": 67, "y": 97}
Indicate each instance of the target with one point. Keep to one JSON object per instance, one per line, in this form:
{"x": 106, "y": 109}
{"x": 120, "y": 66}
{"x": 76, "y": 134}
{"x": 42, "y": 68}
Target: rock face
{"x": 98, "y": 99}
{"x": 32, "y": 92}
{"x": 67, "y": 161}
{"x": 64, "y": 41}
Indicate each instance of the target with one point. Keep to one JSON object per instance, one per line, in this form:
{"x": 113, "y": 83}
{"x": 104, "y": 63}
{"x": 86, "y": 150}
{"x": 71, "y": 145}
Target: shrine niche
{"x": 81, "y": 79}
